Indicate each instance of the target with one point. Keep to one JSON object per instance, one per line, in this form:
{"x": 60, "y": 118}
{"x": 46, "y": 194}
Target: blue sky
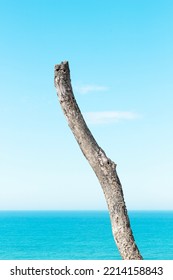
{"x": 120, "y": 56}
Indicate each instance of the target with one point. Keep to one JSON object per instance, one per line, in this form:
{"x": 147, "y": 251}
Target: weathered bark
{"x": 104, "y": 168}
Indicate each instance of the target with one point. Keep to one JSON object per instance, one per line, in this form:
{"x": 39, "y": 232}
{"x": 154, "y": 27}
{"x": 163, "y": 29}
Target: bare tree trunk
{"x": 104, "y": 168}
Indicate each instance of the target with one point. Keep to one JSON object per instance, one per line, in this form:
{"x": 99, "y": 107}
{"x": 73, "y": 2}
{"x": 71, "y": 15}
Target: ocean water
{"x": 80, "y": 235}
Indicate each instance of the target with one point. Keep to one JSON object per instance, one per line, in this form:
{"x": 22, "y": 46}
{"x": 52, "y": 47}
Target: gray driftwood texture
{"x": 104, "y": 167}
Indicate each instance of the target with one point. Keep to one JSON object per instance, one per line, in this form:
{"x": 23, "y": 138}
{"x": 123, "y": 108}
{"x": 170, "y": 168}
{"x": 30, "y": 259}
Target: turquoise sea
{"x": 80, "y": 235}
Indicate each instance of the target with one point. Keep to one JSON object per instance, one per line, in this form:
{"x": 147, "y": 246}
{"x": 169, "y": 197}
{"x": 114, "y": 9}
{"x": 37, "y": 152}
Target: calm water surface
{"x": 80, "y": 235}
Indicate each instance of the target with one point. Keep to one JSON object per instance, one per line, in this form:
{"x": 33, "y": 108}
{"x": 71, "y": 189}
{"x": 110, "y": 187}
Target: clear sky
{"x": 121, "y": 59}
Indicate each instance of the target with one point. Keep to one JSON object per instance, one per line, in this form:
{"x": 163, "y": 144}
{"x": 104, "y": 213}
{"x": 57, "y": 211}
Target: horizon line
{"x": 81, "y": 210}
